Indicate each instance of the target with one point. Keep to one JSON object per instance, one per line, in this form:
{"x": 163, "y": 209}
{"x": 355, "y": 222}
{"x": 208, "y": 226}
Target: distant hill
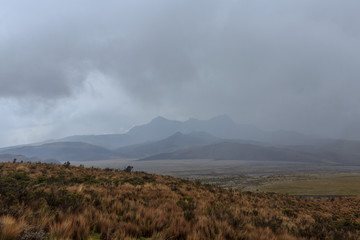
{"x": 239, "y": 151}
{"x": 160, "y": 128}
{"x": 172, "y": 143}
{"x": 19, "y": 158}
{"x": 111, "y": 141}
{"x": 64, "y": 151}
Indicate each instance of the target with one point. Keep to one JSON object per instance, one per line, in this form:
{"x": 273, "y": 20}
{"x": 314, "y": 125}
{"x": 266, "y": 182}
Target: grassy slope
{"x": 40, "y": 201}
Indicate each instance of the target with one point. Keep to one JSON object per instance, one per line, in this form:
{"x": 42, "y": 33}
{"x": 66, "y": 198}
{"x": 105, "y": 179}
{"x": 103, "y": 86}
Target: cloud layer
{"x": 76, "y": 67}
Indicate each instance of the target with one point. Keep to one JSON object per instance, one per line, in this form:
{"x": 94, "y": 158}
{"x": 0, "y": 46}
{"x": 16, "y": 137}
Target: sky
{"x": 95, "y": 67}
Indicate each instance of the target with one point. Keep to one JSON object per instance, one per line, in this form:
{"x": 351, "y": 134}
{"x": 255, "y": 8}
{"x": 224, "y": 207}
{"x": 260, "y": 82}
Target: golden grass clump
{"x": 10, "y": 228}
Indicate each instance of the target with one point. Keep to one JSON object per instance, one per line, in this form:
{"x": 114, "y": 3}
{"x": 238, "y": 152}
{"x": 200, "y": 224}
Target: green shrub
{"x": 66, "y": 164}
{"x": 188, "y": 206}
{"x": 290, "y": 213}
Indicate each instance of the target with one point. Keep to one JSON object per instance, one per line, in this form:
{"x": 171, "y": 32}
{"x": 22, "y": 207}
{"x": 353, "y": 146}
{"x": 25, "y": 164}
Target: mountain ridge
{"x": 239, "y": 151}
{"x": 221, "y": 126}
{"x": 171, "y": 143}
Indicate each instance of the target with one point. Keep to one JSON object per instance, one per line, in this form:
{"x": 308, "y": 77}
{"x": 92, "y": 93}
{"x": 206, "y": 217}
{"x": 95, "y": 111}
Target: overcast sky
{"x": 88, "y": 67}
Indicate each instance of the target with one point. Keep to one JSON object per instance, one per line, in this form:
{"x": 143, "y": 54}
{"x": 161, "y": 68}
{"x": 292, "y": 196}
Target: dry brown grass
{"x": 90, "y": 203}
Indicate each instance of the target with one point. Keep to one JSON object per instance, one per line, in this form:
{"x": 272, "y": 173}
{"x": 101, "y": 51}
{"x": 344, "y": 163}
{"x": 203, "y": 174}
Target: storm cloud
{"x": 82, "y": 67}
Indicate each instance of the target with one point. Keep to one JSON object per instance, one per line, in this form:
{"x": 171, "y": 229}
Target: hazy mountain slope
{"x": 157, "y": 129}
{"x": 224, "y": 127}
{"x": 111, "y": 141}
{"x": 172, "y": 143}
{"x": 64, "y": 151}
{"x": 339, "y": 150}
{"x": 238, "y": 151}
{"x": 19, "y": 158}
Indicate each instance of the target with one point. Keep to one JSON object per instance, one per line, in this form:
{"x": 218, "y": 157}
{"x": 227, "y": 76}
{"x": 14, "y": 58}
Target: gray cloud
{"x": 277, "y": 64}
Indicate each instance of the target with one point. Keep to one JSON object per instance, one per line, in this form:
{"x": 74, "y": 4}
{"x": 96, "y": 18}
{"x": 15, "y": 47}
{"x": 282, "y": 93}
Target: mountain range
{"x": 159, "y": 128}
{"x": 218, "y": 138}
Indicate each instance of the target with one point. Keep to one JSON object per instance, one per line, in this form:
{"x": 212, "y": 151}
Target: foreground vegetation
{"x": 43, "y": 201}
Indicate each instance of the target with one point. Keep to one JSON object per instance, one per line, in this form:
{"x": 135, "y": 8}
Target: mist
{"x": 90, "y": 67}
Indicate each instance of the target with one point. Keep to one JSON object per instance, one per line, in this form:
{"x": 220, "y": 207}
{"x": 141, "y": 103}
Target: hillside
{"x": 345, "y": 151}
{"x": 42, "y": 201}
{"x": 63, "y": 151}
{"x": 239, "y": 151}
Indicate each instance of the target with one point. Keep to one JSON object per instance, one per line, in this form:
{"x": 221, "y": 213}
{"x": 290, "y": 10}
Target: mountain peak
{"x": 159, "y": 119}
{"x": 177, "y": 135}
{"x": 192, "y": 120}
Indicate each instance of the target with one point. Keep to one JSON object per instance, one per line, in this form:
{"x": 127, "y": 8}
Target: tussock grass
{"x": 42, "y": 201}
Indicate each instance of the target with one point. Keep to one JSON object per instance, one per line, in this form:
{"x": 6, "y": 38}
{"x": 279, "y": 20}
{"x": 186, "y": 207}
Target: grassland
{"x": 335, "y": 184}
{"x": 43, "y": 201}
{"x": 319, "y": 184}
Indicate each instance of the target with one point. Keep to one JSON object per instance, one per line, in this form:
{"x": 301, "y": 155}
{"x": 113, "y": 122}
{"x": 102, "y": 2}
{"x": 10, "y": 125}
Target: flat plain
{"x": 321, "y": 184}
{"x": 336, "y": 184}
{"x": 295, "y": 179}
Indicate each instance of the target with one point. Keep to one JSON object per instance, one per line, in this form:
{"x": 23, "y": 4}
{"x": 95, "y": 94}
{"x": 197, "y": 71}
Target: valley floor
{"x": 336, "y": 184}
{"x": 285, "y": 178}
